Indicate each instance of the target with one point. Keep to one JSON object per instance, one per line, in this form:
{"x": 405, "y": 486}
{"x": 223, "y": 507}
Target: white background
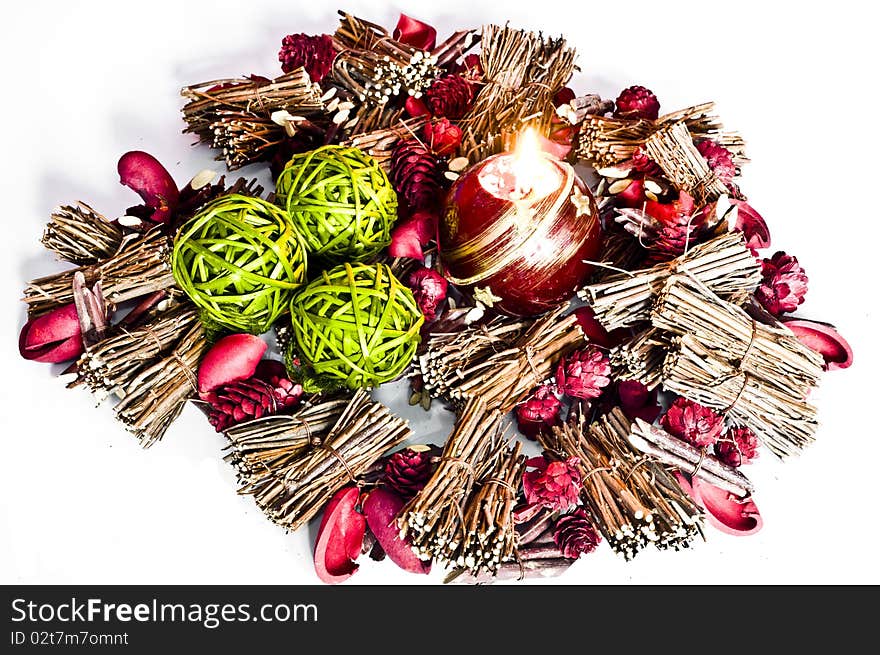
{"x": 86, "y": 81}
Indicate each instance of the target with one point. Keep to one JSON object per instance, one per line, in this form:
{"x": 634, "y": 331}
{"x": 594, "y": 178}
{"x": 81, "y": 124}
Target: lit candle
{"x": 517, "y": 230}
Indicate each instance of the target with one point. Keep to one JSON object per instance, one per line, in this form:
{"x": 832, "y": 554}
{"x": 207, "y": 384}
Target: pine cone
{"x": 719, "y": 158}
{"x": 784, "y": 285}
{"x": 539, "y": 412}
{"x": 407, "y": 471}
{"x": 240, "y": 401}
{"x": 316, "y": 53}
{"x": 554, "y": 485}
{"x": 637, "y": 102}
{"x": 584, "y": 373}
{"x": 450, "y": 96}
{"x": 737, "y": 446}
{"x": 575, "y": 535}
{"x": 693, "y": 423}
{"x": 417, "y": 175}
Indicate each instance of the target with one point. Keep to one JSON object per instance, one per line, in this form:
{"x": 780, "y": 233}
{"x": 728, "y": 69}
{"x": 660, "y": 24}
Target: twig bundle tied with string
{"x": 236, "y": 115}
{"x": 500, "y": 362}
{"x": 110, "y": 365}
{"x": 723, "y": 264}
{"x": 523, "y": 72}
{"x": 293, "y": 494}
{"x": 141, "y": 266}
{"x": 155, "y": 397}
{"x": 608, "y": 141}
{"x": 80, "y": 235}
{"x": 771, "y": 354}
{"x": 672, "y": 147}
{"x": 379, "y": 144}
{"x": 633, "y": 499}
{"x": 267, "y": 445}
{"x": 436, "y": 520}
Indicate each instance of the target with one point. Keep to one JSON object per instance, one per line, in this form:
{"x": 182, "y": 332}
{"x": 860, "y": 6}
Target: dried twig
{"x": 80, "y": 235}
{"x": 672, "y": 147}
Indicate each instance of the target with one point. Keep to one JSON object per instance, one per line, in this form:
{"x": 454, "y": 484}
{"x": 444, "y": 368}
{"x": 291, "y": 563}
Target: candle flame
{"x": 532, "y": 171}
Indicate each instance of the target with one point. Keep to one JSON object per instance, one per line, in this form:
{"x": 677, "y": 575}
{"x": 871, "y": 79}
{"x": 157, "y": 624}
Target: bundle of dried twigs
{"x": 379, "y": 144}
{"x": 292, "y": 495}
{"x": 437, "y": 519}
{"x": 500, "y": 362}
{"x": 608, "y": 141}
{"x": 156, "y": 395}
{"x": 140, "y": 267}
{"x": 672, "y": 148}
{"x": 111, "y": 364}
{"x": 523, "y": 71}
{"x": 640, "y": 358}
{"x": 771, "y": 354}
{"x": 723, "y": 264}
{"x": 267, "y": 445}
{"x": 80, "y": 235}
{"x": 784, "y": 422}
{"x": 632, "y": 498}
{"x": 236, "y": 115}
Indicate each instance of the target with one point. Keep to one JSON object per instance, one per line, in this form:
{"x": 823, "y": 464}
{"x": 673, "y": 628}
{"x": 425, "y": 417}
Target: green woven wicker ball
{"x": 341, "y": 202}
{"x": 239, "y": 260}
{"x": 355, "y": 326}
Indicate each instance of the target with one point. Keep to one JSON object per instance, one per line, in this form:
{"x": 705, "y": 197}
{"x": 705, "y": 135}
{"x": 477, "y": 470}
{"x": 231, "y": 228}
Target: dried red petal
{"x": 340, "y": 537}
{"x": 824, "y": 339}
{"x": 143, "y": 174}
{"x": 234, "y": 357}
{"x": 415, "y": 33}
{"x": 410, "y": 236}
{"x": 53, "y": 337}
{"x": 637, "y": 401}
{"x": 381, "y": 509}
{"x": 727, "y": 512}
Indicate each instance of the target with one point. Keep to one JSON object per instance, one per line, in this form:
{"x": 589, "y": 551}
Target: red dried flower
{"x": 442, "y": 137}
{"x": 637, "y": 102}
{"x": 450, "y": 96}
{"x": 53, "y": 337}
{"x": 539, "y": 412}
{"x": 315, "y": 53}
{"x": 784, "y": 285}
{"x": 471, "y": 68}
{"x": 737, "y": 446}
{"x": 407, "y": 471}
{"x": 554, "y": 485}
{"x": 719, "y": 158}
{"x": 693, "y": 423}
{"x": 575, "y": 535}
{"x": 644, "y": 164}
{"x": 429, "y": 290}
{"x": 584, "y": 373}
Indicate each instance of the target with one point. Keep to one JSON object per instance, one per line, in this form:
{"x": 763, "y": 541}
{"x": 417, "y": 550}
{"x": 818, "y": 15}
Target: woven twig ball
{"x": 239, "y": 259}
{"x": 355, "y": 326}
{"x": 340, "y": 200}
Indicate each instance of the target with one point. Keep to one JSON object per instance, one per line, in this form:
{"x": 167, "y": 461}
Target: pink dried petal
{"x": 381, "y": 509}
{"x": 824, "y": 339}
{"x": 340, "y": 537}
{"x": 234, "y": 357}
{"x": 408, "y": 238}
{"x": 143, "y": 173}
{"x": 727, "y": 512}
{"x": 53, "y": 337}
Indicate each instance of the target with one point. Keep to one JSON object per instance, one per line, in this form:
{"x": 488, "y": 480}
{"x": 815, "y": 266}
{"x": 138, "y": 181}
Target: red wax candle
{"x": 517, "y": 230}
